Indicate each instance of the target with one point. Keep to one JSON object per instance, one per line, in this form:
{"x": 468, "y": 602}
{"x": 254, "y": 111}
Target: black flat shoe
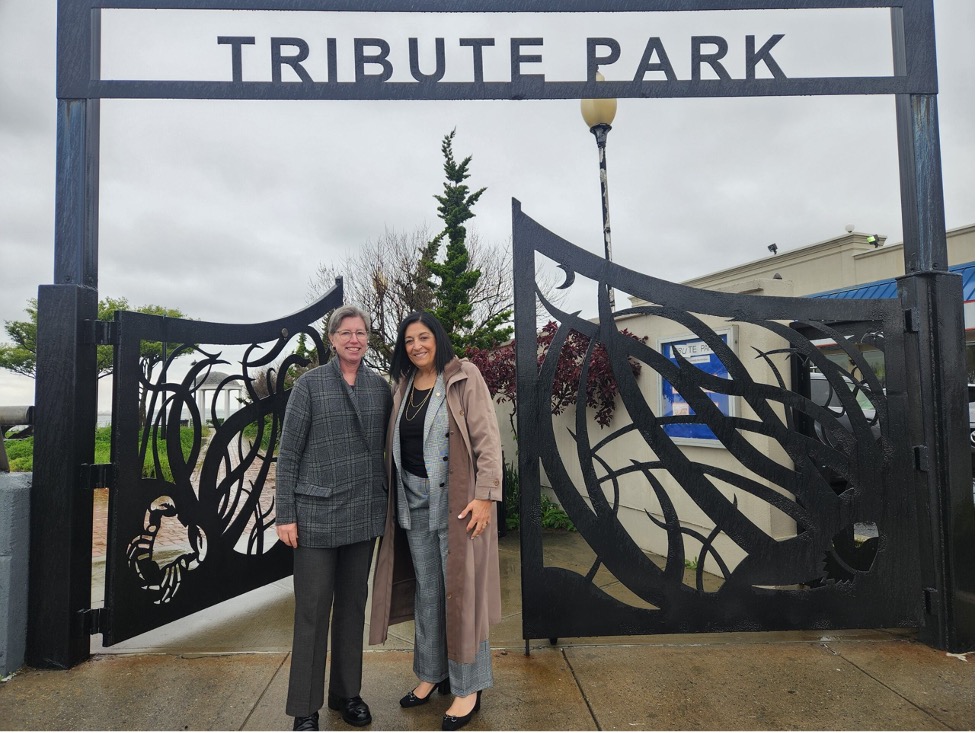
{"x": 307, "y": 722}
{"x": 353, "y": 710}
{"x": 411, "y": 700}
{"x": 453, "y": 722}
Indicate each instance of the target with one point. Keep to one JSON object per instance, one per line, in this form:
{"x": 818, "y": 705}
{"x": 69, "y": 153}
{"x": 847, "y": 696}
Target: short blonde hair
{"x": 347, "y": 311}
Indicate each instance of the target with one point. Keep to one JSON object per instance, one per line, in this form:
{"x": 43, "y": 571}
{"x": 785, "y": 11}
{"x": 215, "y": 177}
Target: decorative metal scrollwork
{"x": 795, "y": 495}
{"x": 192, "y": 517}
{"x": 225, "y": 494}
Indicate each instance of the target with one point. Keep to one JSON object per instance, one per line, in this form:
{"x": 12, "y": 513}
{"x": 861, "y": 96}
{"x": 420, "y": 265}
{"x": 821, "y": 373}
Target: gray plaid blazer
{"x": 435, "y": 442}
{"x": 331, "y": 476}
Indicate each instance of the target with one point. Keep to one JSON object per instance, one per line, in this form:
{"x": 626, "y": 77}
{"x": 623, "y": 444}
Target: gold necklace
{"x": 419, "y": 407}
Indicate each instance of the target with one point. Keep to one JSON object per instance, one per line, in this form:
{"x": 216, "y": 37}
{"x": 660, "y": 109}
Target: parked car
{"x": 823, "y": 395}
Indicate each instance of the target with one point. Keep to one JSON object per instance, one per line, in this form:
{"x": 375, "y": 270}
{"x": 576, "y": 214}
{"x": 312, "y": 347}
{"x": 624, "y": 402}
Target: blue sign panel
{"x": 673, "y": 404}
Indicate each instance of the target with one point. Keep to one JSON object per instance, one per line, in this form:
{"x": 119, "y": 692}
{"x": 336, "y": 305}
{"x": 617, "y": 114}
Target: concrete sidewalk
{"x": 227, "y": 668}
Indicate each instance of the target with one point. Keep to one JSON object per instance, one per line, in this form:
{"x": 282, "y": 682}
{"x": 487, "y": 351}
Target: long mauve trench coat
{"x": 472, "y": 601}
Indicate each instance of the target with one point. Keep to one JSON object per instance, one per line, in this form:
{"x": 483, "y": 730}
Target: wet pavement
{"x": 226, "y": 668}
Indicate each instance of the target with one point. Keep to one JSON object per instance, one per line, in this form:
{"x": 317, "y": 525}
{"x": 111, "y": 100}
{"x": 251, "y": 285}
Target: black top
{"x": 412, "y": 430}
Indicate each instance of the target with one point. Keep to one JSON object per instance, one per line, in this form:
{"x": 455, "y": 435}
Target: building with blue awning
{"x": 888, "y": 289}
{"x": 853, "y": 266}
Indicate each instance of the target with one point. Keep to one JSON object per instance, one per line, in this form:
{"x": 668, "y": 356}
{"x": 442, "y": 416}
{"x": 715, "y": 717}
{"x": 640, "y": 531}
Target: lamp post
{"x": 598, "y": 115}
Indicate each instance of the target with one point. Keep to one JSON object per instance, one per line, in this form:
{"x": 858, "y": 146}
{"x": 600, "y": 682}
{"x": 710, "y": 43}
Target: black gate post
{"x": 932, "y": 299}
{"x": 945, "y": 508}
{"x": 60, "y": 576}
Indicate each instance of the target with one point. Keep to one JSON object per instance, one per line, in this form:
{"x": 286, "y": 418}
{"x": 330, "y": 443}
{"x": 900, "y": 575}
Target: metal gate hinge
{"x": 97, "y": 475}
{"x": 921, "y": 457}
{"x": 95, "y": 620}
{"x": 101, "y": 333}
{"x": 912, "y": 321}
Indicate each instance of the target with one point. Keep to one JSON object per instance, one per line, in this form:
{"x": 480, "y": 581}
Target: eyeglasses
{"x": 347, "y": 335}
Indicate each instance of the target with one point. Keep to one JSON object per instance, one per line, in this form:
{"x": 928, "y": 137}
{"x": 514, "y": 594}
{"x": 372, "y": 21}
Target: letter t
{"x": 236, "y": 42}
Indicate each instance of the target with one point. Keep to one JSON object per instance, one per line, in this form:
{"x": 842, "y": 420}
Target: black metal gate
{"x": 759, "y": 505}
{"x": 191, "y": 520}
{"x": 876, "y": 491}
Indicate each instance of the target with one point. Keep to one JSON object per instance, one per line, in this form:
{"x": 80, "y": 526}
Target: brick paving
{"x": 172, "y": 535}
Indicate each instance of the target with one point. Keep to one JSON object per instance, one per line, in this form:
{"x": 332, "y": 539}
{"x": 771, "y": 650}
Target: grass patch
{"x": 21, "y": 452}
{"x": 149, "y": 470}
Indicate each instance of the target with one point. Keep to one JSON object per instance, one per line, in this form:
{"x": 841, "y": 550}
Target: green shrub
{"x": 552, "y": 515}
{"x": 20, "y": 454}
{"x": 251, "y": 432}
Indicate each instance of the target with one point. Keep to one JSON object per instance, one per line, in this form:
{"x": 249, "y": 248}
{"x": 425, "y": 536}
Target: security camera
{"x": 773, "y": 248}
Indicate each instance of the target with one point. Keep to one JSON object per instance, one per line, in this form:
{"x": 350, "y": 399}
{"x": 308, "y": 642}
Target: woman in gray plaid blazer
{"x": 330, "y": 501}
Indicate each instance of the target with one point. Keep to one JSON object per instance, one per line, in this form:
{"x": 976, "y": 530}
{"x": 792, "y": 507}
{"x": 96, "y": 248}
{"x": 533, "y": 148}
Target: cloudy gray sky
{"x": 224, "y": 209}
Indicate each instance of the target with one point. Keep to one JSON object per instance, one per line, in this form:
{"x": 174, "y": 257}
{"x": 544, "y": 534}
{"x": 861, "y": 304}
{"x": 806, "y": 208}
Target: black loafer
{"x": 353, "y": 710}
{"x": 307, "y": 722}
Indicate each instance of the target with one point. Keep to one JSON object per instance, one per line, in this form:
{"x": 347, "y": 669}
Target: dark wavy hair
{"x": 400, "y": 363}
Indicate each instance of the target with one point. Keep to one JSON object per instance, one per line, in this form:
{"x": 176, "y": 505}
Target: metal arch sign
{"x": 697, "y": 66}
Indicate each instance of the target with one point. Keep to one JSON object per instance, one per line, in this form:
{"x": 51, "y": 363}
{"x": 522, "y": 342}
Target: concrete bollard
{"x": 15, "y": 502}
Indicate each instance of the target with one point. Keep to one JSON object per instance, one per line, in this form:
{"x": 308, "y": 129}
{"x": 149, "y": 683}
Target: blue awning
{"x": 888, "y": 288}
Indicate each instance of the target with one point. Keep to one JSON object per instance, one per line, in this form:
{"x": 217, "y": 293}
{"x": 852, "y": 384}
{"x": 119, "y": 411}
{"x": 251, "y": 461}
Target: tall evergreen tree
{"x": 456, "y": 276}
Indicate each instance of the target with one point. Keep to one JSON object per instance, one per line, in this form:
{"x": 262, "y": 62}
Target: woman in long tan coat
{"x": 438, "y": 562}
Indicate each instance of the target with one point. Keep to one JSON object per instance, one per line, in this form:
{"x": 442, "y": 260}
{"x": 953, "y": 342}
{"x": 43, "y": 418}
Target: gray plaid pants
{"x": 428, "y": 554}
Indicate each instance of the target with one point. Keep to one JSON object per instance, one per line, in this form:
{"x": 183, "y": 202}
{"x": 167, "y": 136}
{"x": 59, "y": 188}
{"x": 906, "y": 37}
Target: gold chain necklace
{"x": 419, "y": 407}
